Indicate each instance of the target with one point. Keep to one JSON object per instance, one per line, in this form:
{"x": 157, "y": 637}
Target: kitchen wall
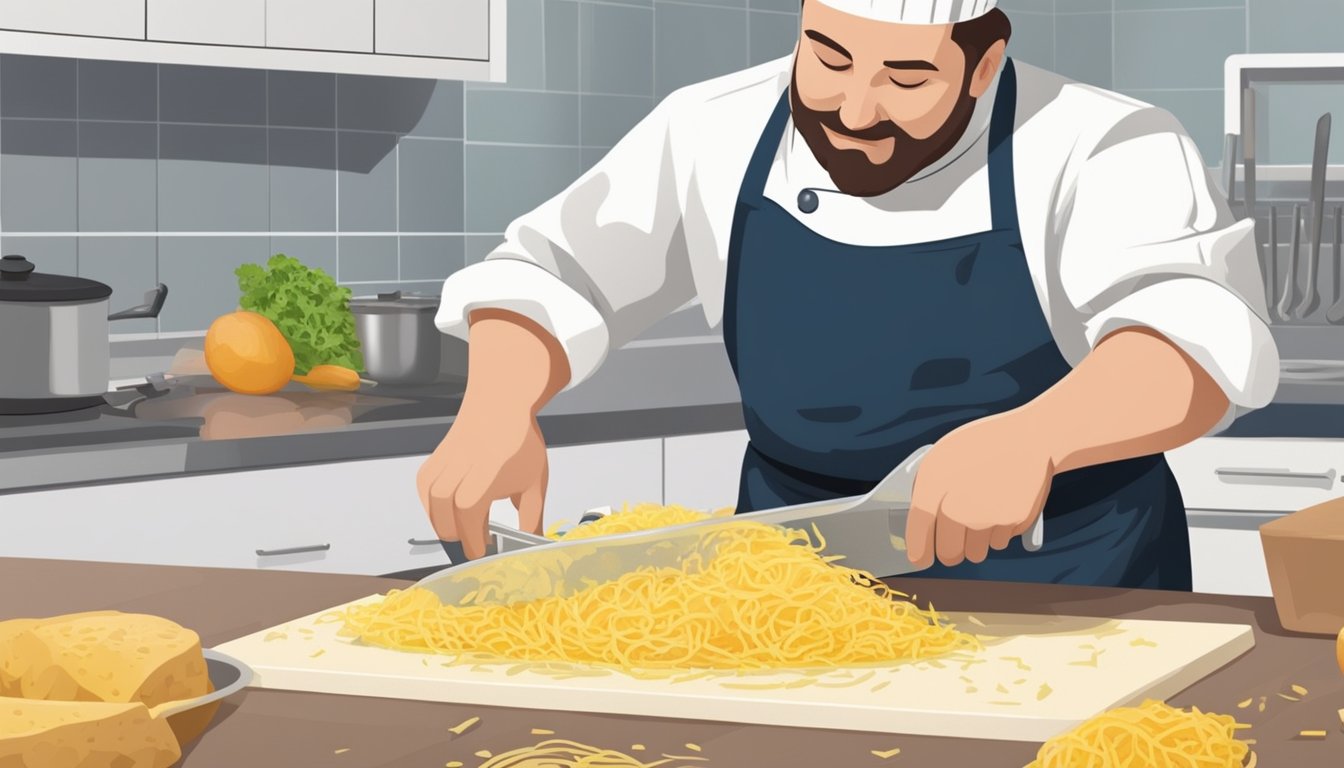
{"x": 1171, "y": 53}
{"x": 133, "y": 173}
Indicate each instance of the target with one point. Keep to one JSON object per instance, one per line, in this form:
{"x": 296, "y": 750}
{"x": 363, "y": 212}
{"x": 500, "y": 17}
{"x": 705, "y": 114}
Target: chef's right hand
{"x": 485, "y": 456}
{"x": 495, "y": 449}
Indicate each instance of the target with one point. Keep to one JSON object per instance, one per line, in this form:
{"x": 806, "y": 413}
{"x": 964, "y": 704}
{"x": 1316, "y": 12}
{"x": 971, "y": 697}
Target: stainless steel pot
{"x": 53, "y": 338}
{"x": 398, "y": 338}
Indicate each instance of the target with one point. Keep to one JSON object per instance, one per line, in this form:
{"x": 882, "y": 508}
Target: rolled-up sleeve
{"x": 598, "y": 263}
{"x": 1146, "y": 240}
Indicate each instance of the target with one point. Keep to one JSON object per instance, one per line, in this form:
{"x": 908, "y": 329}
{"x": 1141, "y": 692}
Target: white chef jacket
{"x": 1120, "y": 221}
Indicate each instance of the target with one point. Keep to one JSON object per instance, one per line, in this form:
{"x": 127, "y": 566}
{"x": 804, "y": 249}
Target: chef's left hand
{"x": 977, "y": 488}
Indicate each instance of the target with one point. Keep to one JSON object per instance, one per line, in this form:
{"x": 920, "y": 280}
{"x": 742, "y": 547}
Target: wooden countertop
{"x": 278, "y": 728}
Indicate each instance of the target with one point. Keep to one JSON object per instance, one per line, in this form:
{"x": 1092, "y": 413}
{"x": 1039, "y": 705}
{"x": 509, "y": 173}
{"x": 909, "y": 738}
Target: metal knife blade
{"x": 867, "y": 530}
{"x": 1312, "y": 299}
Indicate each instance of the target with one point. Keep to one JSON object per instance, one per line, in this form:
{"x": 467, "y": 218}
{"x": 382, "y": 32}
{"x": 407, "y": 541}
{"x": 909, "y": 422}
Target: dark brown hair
{"x": 976, "y": 36}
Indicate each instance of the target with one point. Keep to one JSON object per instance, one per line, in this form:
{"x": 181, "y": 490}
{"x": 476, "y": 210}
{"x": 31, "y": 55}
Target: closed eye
{"x": 907, "y": 86}
{"x": 834, "y": 67}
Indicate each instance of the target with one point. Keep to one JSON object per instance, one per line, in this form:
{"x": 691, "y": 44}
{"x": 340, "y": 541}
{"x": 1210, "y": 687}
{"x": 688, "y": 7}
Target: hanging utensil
{"x": 1270, "y": 264}
{"x": 1335, "y": 314}
{"x": 1290, "y": 297}
{"x": 1248, "y": 154}
{"x": 1312, "y": 300}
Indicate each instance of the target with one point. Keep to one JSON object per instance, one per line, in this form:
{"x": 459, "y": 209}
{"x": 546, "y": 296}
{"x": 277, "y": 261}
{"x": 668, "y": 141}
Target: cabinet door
{"x": 93, "y": 18}
{"x": 1258, "y": 474}
{"x": 436, "y": 28}
{"x": 212, "y": 521}
{"x": 320, "y": 25}
{"x": 221, "y": 22}
{"x": 1227, "y": 561}
{"x": 702, "y": 471}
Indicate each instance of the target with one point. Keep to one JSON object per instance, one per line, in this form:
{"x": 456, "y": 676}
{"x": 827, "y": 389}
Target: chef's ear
{"x": 984, "y": 73}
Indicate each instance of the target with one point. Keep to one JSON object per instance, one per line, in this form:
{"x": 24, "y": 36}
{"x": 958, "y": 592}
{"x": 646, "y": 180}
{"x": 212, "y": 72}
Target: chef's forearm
{"x": 1135, "y": 394}
{"x": 512, "y": 363}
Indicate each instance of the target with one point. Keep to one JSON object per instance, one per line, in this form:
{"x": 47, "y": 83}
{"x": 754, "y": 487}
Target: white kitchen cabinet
{"x": 583, "y": 477}
{"x": 217, "y": 22}
{"x": 703, "y": 471}
{"x": 434, "y": 39}
{"x": 92, "y": 18}
{"x": 1226, "y": 560}
{"x": 450, "y": 30}
{"x": 361, "y": 515}
{"x": 1258, "y": 474}
{"x": 347, "y": 517}
{"x": 320, "y": 25}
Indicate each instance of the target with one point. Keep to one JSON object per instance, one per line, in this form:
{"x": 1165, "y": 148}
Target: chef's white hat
{"x": 914, "y": 11}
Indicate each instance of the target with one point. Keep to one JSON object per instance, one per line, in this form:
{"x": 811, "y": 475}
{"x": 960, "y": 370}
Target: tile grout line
{"x": 78, "y": 153}
{"x": 336, "y": 122}
{"x": 158, "y": 131}
{"x": 2, "y": 175}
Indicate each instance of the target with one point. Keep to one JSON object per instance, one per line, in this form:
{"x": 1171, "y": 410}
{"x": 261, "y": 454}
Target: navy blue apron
{"x": 849, "y": 358}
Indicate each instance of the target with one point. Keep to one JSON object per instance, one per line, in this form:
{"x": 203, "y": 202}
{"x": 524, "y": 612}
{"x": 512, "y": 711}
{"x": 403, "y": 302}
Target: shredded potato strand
{"x": 1153, "y": 735}
{"x": 640, "y": 517}
{"x": 763, "y": 598}
{"x": 561, "y": 753}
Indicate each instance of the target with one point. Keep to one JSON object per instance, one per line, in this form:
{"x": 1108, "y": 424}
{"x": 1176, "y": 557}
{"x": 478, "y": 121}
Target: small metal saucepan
{"x": 54, "y": 353}
{"x": 397, "y": 335}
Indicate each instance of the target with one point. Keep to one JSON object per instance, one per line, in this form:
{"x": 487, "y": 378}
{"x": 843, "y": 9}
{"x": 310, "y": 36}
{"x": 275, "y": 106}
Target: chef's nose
{"x": 860, "y": 110}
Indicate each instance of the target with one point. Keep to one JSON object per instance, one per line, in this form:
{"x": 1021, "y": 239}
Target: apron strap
{"x": 1002, "y": 192}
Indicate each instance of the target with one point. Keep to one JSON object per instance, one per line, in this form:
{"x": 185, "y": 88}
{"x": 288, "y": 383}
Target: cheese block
{"x": 63, "y": 734}
{"x": 11, "y": 666}
{"x": 103, "y": 656}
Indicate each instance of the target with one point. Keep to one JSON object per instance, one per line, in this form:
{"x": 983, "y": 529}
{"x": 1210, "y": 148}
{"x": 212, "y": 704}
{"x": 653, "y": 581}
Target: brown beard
{"x": 850, "y": 169}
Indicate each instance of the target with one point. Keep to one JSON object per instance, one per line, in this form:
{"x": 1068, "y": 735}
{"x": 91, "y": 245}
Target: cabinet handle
{"x": 1327, "y": 477}
{"x": 293, "y": 550}
{"x": 414, "y": 542}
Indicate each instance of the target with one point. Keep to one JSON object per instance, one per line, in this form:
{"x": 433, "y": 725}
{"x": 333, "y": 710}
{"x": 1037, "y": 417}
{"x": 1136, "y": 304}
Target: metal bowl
{"x": 191, "y": 717}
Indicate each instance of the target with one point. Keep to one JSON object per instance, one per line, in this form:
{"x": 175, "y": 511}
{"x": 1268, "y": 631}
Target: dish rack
{"x": 1298, "y": 209}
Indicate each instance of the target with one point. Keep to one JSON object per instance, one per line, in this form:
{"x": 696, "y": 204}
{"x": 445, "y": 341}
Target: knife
{"x": 867, "y": 530}
{"x": 1312, "y": 300}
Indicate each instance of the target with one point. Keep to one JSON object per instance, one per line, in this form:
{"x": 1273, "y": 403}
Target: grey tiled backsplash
{"x": 133, "y": 172}
{"x": 1171, "y": 53}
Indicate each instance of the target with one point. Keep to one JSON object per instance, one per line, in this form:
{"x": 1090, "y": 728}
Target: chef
{"x": 907, "y": 238}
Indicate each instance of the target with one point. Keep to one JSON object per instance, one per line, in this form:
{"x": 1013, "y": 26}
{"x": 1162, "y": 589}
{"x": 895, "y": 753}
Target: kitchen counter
{"x": 656, "y": 388}
{"x": 661, "y": 386}
{"x": 264, "y": 727}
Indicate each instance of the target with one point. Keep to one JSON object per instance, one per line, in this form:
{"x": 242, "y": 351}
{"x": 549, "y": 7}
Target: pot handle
{"x": 153, "y": 304}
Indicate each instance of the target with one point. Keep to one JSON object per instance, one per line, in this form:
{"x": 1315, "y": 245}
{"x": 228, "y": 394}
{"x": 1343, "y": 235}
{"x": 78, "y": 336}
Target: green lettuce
{"x": 309, "y": 308}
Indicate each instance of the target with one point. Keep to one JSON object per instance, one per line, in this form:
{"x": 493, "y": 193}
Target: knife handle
{"x": 1034, "y": 538}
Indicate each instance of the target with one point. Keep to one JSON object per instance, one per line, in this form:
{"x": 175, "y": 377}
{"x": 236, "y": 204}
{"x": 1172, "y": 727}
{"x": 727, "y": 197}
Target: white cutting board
{"x": 1089, "y": 666}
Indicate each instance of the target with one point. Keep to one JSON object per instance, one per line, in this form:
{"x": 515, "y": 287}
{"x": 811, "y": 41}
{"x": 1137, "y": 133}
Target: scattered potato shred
{"x": 756, "y": 597}
{"x": 888, "y": 753}
{"x": 462, "y": 727}
{"x": 1153, "y": 735}
{"x": 561, "y": 753}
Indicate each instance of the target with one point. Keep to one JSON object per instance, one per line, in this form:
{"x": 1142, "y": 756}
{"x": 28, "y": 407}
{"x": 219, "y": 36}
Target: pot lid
{"x": 394, "y": 302}
{"x": 20, "y": 282}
